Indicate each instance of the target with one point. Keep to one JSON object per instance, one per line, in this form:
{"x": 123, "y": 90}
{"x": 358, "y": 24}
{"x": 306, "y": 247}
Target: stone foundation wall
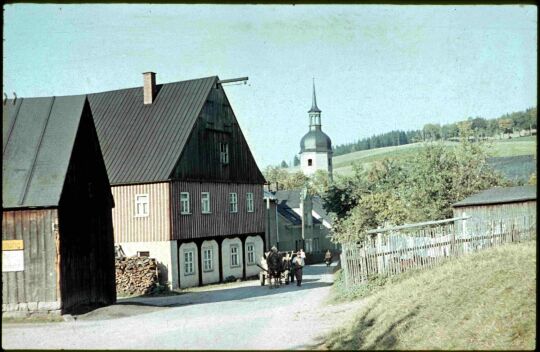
{"x": 30, "y": 308}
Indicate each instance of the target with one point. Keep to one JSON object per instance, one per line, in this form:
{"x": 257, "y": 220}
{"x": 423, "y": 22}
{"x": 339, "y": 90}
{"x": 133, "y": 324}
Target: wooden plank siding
{"x": 221, "y": 222}
{"x": 155, "y": 226}
{"x": 37, "y": 283}
{"x": 200, "y": 158}
{"x": 87, "y": 273}
{"x": 485, "y": 212}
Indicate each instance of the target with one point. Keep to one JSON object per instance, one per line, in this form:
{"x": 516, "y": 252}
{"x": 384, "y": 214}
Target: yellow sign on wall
{"x": 12, "y": 245}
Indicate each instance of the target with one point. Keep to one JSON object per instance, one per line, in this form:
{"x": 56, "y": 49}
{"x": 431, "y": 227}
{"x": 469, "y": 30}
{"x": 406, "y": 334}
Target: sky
{"x": 376, "y": 67}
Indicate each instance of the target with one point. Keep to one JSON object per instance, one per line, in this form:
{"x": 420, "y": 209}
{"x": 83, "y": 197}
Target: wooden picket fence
{"x": 392, "y": 251}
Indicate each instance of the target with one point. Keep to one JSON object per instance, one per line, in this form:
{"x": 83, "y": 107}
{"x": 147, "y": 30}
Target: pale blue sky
{"x": 376, "y": 67}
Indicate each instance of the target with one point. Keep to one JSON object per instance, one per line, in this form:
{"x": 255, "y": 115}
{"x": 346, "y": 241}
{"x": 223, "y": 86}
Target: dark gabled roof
{"x": 39, "y": 135}
{"x": 289, "y": 214}
{"x": 500, "y": 195}
{"x": 290, "y": 199}
{"x": 142, "y": 143}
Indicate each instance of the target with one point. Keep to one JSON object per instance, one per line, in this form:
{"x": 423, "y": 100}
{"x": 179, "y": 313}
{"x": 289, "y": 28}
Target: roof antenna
{"x": 15, "y": 98}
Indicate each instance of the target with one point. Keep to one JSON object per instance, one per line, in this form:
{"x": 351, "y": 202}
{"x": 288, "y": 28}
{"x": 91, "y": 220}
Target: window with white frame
{"x": 208, "y": 264}
{"x": 234, "y": 255}
{"x": 184, "y": 203}
{"x": 233, "y": 202}
{"x": 249, "y": 202}
{"x": 224, "y": 153}
{"x": 141, "y": 205}
{"x": 189, "y": 267}
{"x": 250, "y": 251}
{"x": 205, "y": 202}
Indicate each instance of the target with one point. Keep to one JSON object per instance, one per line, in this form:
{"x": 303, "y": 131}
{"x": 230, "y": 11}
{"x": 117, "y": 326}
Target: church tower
{"x": 315, "y": 146}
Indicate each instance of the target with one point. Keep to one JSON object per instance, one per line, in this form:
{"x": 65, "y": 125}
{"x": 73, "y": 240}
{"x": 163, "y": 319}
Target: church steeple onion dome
{"x": 315, "y": 140}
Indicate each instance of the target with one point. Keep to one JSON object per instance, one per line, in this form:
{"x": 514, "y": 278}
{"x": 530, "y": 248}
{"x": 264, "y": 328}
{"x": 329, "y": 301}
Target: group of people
{"x": 296, "y": 262}
{"x": 293, "y": 263}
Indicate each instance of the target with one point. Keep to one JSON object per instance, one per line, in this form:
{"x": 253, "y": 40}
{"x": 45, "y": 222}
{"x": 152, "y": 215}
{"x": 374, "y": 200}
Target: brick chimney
{"x": 149, "y": 87}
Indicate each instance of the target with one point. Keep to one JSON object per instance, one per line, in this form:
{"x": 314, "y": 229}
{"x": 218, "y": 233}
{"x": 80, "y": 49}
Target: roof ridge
{"x": 160, "y": 84}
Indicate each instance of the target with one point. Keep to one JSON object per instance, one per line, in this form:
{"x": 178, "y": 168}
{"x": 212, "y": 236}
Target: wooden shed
{"x": 57, "y": 234}
{"x": 499, "y": 203}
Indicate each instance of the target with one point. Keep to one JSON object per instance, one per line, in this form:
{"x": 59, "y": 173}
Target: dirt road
{"x": 241, "y": 316}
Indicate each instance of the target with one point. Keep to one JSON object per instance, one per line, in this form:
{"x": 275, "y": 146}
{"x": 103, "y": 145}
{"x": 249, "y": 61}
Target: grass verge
{"x": 485, "y": 300}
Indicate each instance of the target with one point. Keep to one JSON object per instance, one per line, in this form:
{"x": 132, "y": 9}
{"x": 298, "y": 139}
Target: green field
{"x": 499, "y": 148}
{"x": 483, "y": 301}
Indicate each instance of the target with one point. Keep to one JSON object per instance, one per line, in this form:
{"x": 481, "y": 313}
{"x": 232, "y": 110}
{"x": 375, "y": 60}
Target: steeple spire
{"x": 314, "y": 107}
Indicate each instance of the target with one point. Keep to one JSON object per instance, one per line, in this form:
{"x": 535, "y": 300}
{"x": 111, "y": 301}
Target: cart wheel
{"x": 262, "y": 278}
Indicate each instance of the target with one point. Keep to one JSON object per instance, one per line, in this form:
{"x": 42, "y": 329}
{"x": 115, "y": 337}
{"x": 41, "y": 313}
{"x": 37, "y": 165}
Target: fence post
{"x": 378, "y": 253}
{"x": 452, "y": 235}
{"x": 344, "y": 265}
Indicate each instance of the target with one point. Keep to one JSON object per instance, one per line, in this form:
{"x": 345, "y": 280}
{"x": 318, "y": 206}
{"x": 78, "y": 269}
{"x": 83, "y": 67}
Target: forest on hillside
{"x": 481, "y": 127}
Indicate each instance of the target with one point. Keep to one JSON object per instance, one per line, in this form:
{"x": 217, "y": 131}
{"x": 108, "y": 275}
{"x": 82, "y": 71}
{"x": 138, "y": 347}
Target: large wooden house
{"x": 57, "y": 233}
{"x": 186, "y": 187}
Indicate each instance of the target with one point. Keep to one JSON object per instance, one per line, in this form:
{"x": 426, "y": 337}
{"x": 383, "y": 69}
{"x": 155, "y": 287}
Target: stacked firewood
{"x": 136, "y": 275}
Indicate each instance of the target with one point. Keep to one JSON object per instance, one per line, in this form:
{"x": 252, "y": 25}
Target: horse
{"x": 274, "y": 261}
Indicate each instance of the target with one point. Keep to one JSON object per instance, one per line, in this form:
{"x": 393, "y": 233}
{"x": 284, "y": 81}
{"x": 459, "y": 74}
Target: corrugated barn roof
{"x": 500, "y": 195}
{"x": 142, "y": 143}
{"x": 38, "y": 134}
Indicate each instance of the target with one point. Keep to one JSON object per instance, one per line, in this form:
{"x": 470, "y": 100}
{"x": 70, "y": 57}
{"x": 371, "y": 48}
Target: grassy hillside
{"x": 486, "y": 300}
{"x": 514, "y": 168}
{"x": 500, "y": 148}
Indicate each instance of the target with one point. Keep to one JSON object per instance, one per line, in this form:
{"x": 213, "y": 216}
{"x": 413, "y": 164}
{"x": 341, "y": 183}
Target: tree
{"x": 479, "y": 127}
{"x": 505, "y": 125}
{"x": 295, "y": 180}
{"x": 296, "y": 161}
{"x": 318, "y": 183}
{"x": 450, "y": 131}
{"x": 432, "y": 131}
{"x": 284, "y": 164}
{"x": 274, "y": 174}
{"x": 285, "y": 179}
{"x": 420, "y": 188}
{"x": 493, "y": 127}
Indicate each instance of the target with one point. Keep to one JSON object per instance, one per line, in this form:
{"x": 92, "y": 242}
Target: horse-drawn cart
{"x": 275, "y": 268}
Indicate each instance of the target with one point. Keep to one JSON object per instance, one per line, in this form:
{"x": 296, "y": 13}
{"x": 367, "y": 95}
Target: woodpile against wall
{"x": 136, "y": 275}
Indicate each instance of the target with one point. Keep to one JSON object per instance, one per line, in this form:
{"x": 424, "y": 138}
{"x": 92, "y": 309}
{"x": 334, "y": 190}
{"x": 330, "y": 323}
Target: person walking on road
{"x": 298, "y": 266}
{"x": 328, "y": 258}
{"x": 292, "y": 272}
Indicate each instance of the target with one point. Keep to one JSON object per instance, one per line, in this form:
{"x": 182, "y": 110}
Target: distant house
{"x": 498, "y": 203}
{"x": 289, "y": 214}
{"x": 57, "y": 234}
{"x": 187, "y": 189}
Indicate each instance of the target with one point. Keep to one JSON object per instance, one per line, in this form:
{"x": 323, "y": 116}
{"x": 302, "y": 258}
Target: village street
{"x": 241, "y": 316}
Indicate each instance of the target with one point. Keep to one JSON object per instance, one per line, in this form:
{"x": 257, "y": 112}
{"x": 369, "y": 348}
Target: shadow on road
{"x": 236, "y": 293}
{"x": 315, "y": 276}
